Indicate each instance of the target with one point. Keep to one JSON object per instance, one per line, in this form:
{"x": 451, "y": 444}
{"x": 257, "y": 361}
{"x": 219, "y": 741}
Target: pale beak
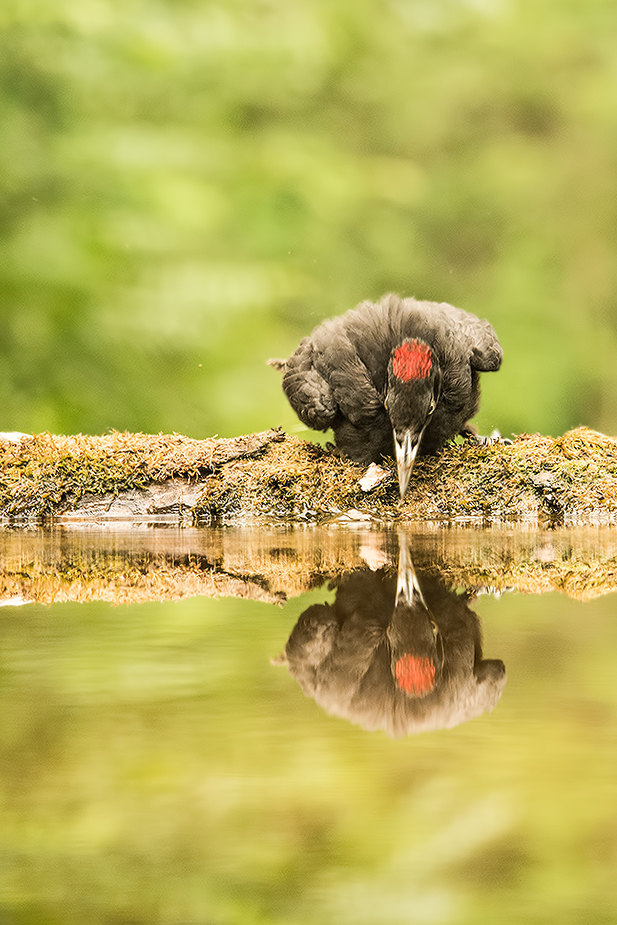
{"x": 405, "y": 457}
{"x": 408, "y": 590}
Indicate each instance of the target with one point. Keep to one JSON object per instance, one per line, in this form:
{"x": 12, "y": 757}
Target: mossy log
{"x": 270, "y": 476}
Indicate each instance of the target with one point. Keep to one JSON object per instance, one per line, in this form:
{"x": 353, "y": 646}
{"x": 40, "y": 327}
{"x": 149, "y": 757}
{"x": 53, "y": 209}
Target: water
{"x": 161, "y": 763}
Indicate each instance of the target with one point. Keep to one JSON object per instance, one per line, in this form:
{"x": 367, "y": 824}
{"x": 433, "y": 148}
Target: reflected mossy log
{"x": 125, "y": 564}
{"x": 273, "y": 477}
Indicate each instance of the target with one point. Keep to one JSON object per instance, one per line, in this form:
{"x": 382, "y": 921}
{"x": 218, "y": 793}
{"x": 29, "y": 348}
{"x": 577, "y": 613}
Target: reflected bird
{"x": 392, "y": 379}
{"x": 399, "y": 654}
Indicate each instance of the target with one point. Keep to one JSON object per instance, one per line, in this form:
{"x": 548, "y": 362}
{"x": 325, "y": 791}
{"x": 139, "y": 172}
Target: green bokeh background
{"x": 187, "y": 187}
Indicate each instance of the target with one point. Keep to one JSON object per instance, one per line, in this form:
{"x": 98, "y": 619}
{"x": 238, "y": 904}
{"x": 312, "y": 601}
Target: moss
{"x": 553, "y": 480}
{"x": 571, "y": 479}
{"x": 294, "y": 480}
{"x": 576, "y": 575}
{"x": 125, "y": 579}
{"x": 46, "y": 474}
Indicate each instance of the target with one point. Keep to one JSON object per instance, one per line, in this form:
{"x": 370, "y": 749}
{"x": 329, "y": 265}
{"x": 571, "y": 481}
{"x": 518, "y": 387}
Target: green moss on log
{"x": 45, "y": 475}
{"x": 566, "y": 480}
{"x": 270, "y": 476}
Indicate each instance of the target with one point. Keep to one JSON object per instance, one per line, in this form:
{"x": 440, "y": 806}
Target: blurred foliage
{"x": 156, "y": 768}
{"x": 188, "y": 186}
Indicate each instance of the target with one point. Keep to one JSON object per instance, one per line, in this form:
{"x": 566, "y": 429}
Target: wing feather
{"x": 487, "y": 353}
{"x": 337, "y": 361}
{"x": 308, "y": 392}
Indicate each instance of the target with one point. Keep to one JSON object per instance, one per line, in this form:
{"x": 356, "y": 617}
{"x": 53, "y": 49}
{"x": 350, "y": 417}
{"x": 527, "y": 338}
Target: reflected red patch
{"x": 412, "y": 360}
{"x": 415, "y": 674}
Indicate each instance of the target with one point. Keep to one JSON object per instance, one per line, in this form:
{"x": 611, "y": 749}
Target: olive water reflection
{"x": 156, "y": 767}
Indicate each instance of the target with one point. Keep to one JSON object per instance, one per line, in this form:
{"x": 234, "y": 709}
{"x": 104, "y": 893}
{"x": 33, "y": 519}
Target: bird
{"x": 400, "y": 653}
{"x": 415, "y": 641}
{"x": 393, "y": 379}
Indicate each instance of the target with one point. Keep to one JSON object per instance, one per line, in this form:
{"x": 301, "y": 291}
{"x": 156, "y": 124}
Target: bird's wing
{"x": 456, "y": 330}
{"x": 338, "y": 362}
{"x": 486, "y": 352}
{"x": 308, "y": 392}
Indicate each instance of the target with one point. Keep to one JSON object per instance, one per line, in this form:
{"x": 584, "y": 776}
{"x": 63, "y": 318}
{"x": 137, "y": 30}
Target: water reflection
{"x": 137, "y": 563}
{"x": 400, "y": 653}
{"x": 154, "y": 767}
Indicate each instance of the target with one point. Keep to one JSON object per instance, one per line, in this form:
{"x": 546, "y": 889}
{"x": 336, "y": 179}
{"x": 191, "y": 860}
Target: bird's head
{"x": 416, "y": 644}
{"x": 413, "y": 390}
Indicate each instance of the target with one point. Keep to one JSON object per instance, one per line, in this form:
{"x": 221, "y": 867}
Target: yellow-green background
{"x": 188, "y": 186}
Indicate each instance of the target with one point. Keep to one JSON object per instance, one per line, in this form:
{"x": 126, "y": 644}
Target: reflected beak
{"x": 405, "y": 457}
{"x": 408, "y": 590}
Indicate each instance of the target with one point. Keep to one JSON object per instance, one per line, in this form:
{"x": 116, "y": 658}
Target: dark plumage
{"x": 402, "y": 656}
{"x": 392, "y": 378}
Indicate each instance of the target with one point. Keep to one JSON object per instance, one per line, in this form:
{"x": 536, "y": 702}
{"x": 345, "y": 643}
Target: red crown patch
{"x": 412, "y": 360}
{"x": 415, "y": 674}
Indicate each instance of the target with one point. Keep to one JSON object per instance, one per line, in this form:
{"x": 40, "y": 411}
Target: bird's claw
{"x": 490, "y": 440}
{"x": 493, "y": 590}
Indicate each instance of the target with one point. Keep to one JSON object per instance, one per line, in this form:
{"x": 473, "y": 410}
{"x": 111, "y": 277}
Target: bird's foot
{"x": 277, "y": 363}
{"x": 493, "y": 590}
{"x": 491, "y": 440}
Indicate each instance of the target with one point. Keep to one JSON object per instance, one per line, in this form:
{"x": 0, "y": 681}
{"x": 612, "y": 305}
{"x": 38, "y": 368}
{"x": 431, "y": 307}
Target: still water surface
{"x": 164, "y": 761}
